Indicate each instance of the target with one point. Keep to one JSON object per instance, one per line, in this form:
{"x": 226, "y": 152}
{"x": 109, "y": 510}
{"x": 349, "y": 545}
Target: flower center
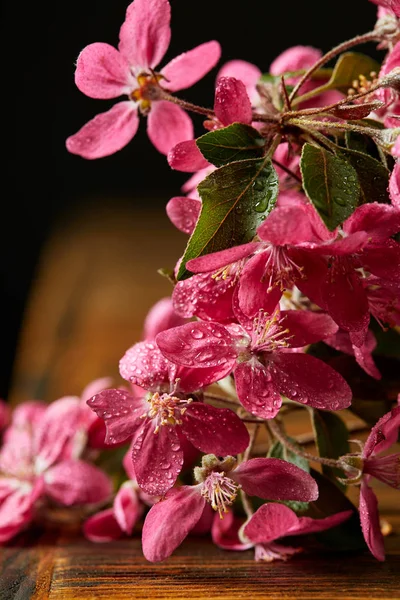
{"x": 268, "y": 332}
{"x": 280, "y": 269}
{"x": 166, "y": 409}
{"x": 148, "y": 90}
{"x": 231, "y": 272}
{"x": 220, "y": 492}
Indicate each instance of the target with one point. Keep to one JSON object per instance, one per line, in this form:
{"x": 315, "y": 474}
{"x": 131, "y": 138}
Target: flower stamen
{"x": 220, "y": 491}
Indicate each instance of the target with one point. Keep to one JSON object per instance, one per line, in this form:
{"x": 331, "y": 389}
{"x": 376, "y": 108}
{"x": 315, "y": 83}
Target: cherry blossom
{"x": 390, "y": 5}
{"x": 170, "y": 407}
{"x": 169, "y": 521}
{"x": 104, "y": 72}
{"x": 259, "y": 352}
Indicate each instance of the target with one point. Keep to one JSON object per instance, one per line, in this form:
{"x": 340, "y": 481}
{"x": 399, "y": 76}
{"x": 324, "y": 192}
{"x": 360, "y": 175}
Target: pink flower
{"x": 248, "y": 73}
{"x": 4, "y": 415}
{"x": 394, "y": 185}
{"x": 391, "y": 113}
{"x": 258, "y": 352}
{"x": 341, "y": 341}
{"x": 280, "y": 260}
{"x": 160, "y": 317}
{"x": 169, "y": 521}
{"x": 184, "y": 212}
{"x": 269, "y": 523}
{"x": 369, "y": 463}
{"x": 231, "y": 105}
{"x": 104, "y": 72}
{"x": 40, "y": 460}
{"x": 391, "y": 5}
{"x": 155, "y": 420}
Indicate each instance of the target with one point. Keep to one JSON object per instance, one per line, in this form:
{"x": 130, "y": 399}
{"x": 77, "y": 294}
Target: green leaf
{"x": 331, "y": 439}
{"x": 345, "y": 537}
{"x": 235, "y": 200}
{"x": 278, "y": 450}
{"x": 232, "y": 143}
{"x": 330, "y": 183}
{"x": 373, "y": 176}
{"x": 320, "y": 74}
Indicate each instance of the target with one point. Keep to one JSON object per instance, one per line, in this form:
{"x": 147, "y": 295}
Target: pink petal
{"x": 144, "y": 365}
{"x": 102, "y": 72}
{"x": 145, "y": 34}
{"x": 187, "y": 157}
{"x": 120, "y": 411}
{"x": 16, "y": 512}
{"x": 396, "y": 147}
{"x": 275, "y": 479}
{"x": 205, "y": 296}
{"x": 383, "y": 434}
{"x": 394, "y": 186}
{"x": 77, "y": 482}
{"x": 307, "y": 525}
{"x": 213, "y": 430}
{"x": 204, "y": 525}
{"x": 369, "y": 517}
{"x": 232, "y": 104}
{"x": 225, "y": 532}
{"x": 270, "y": 522}
{"x": 102, "y": 527}
{"x": 107, "y": 133}
{"x": 293, "y": 225}
{"x": 17, "y": 453}
{"x": 341, "y": 341}
{"x": 56, "y": 429}
{"x": 380, "y": 221}
{"x": 243, "y": 70}
{"x": 5, "y": 415}
{"x": 256, "y": 287}
{"x": 187, "y": 68}
{"x": 306, "y": 379}
{"x": 198, "y": 344}
{"x": 127, "y": 507}
{"x": 184, "y": 213}
{"x": 295, "y": 59}
{"x": 94, "y": 387}
{"x": 28, "y": 414}
{"x": 169, "y": 521}
{"x": 217, "y": 260}
{"x": 255, "y": 390}
{"x": 306, "y": 327}
{"x": 384, "y": 260}
{"x": 157, "y": 459}
{"x": 192, "y": 380}
{"x": 160, "y": 317}
{"x": 167, "y": 125}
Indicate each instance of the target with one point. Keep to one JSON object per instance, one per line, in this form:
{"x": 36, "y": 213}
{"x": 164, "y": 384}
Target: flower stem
{"x": 248, "y": 509}
{"x": 276, "y": 430}
{"x": 359, "y": 39}
{"x": 208, "y": 112}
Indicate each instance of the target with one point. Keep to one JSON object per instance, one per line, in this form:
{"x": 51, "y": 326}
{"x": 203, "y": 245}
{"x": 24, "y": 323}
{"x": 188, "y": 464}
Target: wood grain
{"x": 95, "y": 283}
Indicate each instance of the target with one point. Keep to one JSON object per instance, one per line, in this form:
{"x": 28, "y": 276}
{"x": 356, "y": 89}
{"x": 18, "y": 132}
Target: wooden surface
{"x": 94, "y": 285}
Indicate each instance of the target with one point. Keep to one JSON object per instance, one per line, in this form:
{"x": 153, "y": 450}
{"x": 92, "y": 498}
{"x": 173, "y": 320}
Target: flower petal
{"x": 107, "y": 133}
{"x": 160, "y": 317}
{"x": 169, "y": 521}
{"x": 213, "y": 430}
{"x": 255, "y": 390}
{"x": 369, "y": 517}
{"x": 144, "y": 365}
{"x": 218, "y": 260}
{"x": 306, "y": 379}
{"x": 167, "y": 125}
{"x": 77, "y": 482}
{"x": 394, "y": 185}
{"x": 257, "y": 288}
{"x": 198, "y": 344}
{"x": 120, "y": 411}
{"x": 187, "y": 68}
{"x": 205, "y": 296}
{"x": 225, "y": 532}
{"x": 145, "y": 34}
{"x": 102, "y": 527}
{"x": 383, "y": 434}
{"x": 307, "y": 327}
{"x": 380, "y": 221}
{"x": 270, "y": 522}
{"x": 102, "y": 72}
{"x": 293, "y": 224}
{"x": 184, "y": 213}
{"x": 232, "y": 104}
{"x": 157, "y": 458}
{"x": 275, "y": 479}
{"x": 295, "y": 59}
{"x": 127, "y": 507}
{"x": 243, "y": 70}
{"x": 191, "y": 380}
{"x": 187, "y": 157}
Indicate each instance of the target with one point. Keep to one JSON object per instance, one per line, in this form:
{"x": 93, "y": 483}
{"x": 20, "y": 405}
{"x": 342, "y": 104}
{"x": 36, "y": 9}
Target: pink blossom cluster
{"x": 236, "y": 347}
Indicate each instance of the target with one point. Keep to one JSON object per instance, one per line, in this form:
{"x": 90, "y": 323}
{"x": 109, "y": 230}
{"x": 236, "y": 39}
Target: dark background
{"x": 42, "y": 183}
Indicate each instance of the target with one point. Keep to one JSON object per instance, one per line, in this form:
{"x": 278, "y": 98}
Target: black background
{"x": 41, "y": 182}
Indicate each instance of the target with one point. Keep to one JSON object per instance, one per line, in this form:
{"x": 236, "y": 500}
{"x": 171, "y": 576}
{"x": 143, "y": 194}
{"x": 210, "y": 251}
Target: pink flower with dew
{"x": 341, "y": 341}
{"x": 39, "y": 460}
{"x": 169, "y": 407}
{"x": 384, "y": 467}
{"x": 248, "y": 73}
{"x": 390, "y": 5}
{"x": 160, "y": 317}
{"x": 184, "y": 213}
{"x": 259, "y": 351}
{"x": 270, "y": 523}
{"x": 218, "y": 482}
{"x": 282, "y": 258}
{"x": 383, "y": 301}
{"x": 231, "y": 105}
{"x": 104, "y": 72}
{"x": 396, "y": 148}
